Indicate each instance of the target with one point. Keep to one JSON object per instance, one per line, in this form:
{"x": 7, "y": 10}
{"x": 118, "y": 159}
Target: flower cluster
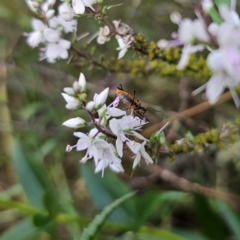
{"x": 50, "y": 30}
{"x": 221, "y": 37}
{"x": 112, "y": 130}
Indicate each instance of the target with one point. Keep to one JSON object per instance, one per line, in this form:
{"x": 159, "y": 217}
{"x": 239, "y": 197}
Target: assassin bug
{"x": 134, "y": 104}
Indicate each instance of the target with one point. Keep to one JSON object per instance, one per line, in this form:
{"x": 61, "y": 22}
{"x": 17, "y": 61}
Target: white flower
{"x": 75, "y": 122}
{"x": 61, "y": 24}
{"x": 57, "y": 47}
{"x": 86, "y": 142}
{"x": 103, "y": 35}
{"x": 123, "y": 47}
{"x": 140, "y": 152}
{"x": 229, "y": 16}
{"x": 187, "y": 50}
{"x": 190, "y": 30}
{"x": 101, "y": 98}
{"x": 36, "y": 37}
{"x": 66, "y": 12}
{"x": 107, "y": 158}
{"x": 225, "y": 65}
{"x": 72, "y": 103}
{"x": 123, "y": 126}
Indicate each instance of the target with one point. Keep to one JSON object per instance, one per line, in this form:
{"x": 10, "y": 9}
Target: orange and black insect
{"x": 134, "y": 104}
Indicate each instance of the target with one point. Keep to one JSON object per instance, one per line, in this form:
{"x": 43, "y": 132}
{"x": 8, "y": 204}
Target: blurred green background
{"x": 46, "y": 194}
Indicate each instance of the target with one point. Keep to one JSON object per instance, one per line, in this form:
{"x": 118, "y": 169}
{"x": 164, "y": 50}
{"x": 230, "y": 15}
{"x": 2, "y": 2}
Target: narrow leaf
{"x": 97, "y": 223}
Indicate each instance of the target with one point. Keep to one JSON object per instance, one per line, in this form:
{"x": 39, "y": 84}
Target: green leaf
{"x": 97, "y": 223}
{"x": 209, "y": 219}
{"x": 226, "y": 2}
{"x": 104, "y": 190}
{"x": 157, "y": 234}
{"x": 41, "y": 219}
{"x": 151, "y": 201}
{"x": 23, "y": 230}
{"x": 229, "y": 217}
{"x": 215, "y": 16}
{"x": 30, "y": 181}
{"x": 51, "y": 204}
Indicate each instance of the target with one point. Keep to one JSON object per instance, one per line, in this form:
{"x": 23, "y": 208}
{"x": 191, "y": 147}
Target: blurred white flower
{"x": 123, "y": 47}
{"x": 60, "y": 24}
{"x": 187, "y": 50}
{"x": 36, "y": 37}
{"x": 75, "y": 122}
{"x": 225, "y": 65}
{"x": 56, "y": 47}
{"x": 230, "y": 16}
{"x": 190, "y": 30}
{"x": 103, "y": 35}
{"x": 140, "y": 152}
{"x": 66, "y": 12}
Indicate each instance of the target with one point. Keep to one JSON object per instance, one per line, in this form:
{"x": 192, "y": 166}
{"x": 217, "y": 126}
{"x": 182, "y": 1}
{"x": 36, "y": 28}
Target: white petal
{"x": 136, "y": 134}
{"x": 82, "y": 144}
{"x": 122, "y": 53}
{"x": 34, "y": 39}
{"x": 134, "y": 146}
{"x": 81, "y": 135}
{"x": 115, "y": 112}
{"x": 116, "y": 166}
{"x": 65, "y": 43}
{"x": 50, "y": 13}
{"x": 102, "y": 164}
{"x": 136, "y": 160}
{"x": 100, "y": 143}
{"x": 145, "y": 155}
{"x": 215, "y": 88}
{"x": 68, "y": 98}
{"x": 38, "y": 25}
{"x": 119, "y": 145}
{"x": 63, "y": 53}
{"x": 51, "y": 35}
{"x": 78, "y": 6}
{"x": 90, "y": 106}
{"x": 69, "y": 90}
{"x": 114, "y": 125}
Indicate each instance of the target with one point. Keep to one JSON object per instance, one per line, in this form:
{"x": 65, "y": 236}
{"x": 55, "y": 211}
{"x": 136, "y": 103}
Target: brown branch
{"x": 188, "y": 186}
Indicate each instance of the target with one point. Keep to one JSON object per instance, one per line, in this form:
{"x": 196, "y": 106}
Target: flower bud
{"x": 50, "y": 13}
{"x": 101, "y": 98}
{"x": 82, "y": 83}
{"x": 90, "y": 106}
{"x": 66, "y": 12}
{"x": 75, "y": 122}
